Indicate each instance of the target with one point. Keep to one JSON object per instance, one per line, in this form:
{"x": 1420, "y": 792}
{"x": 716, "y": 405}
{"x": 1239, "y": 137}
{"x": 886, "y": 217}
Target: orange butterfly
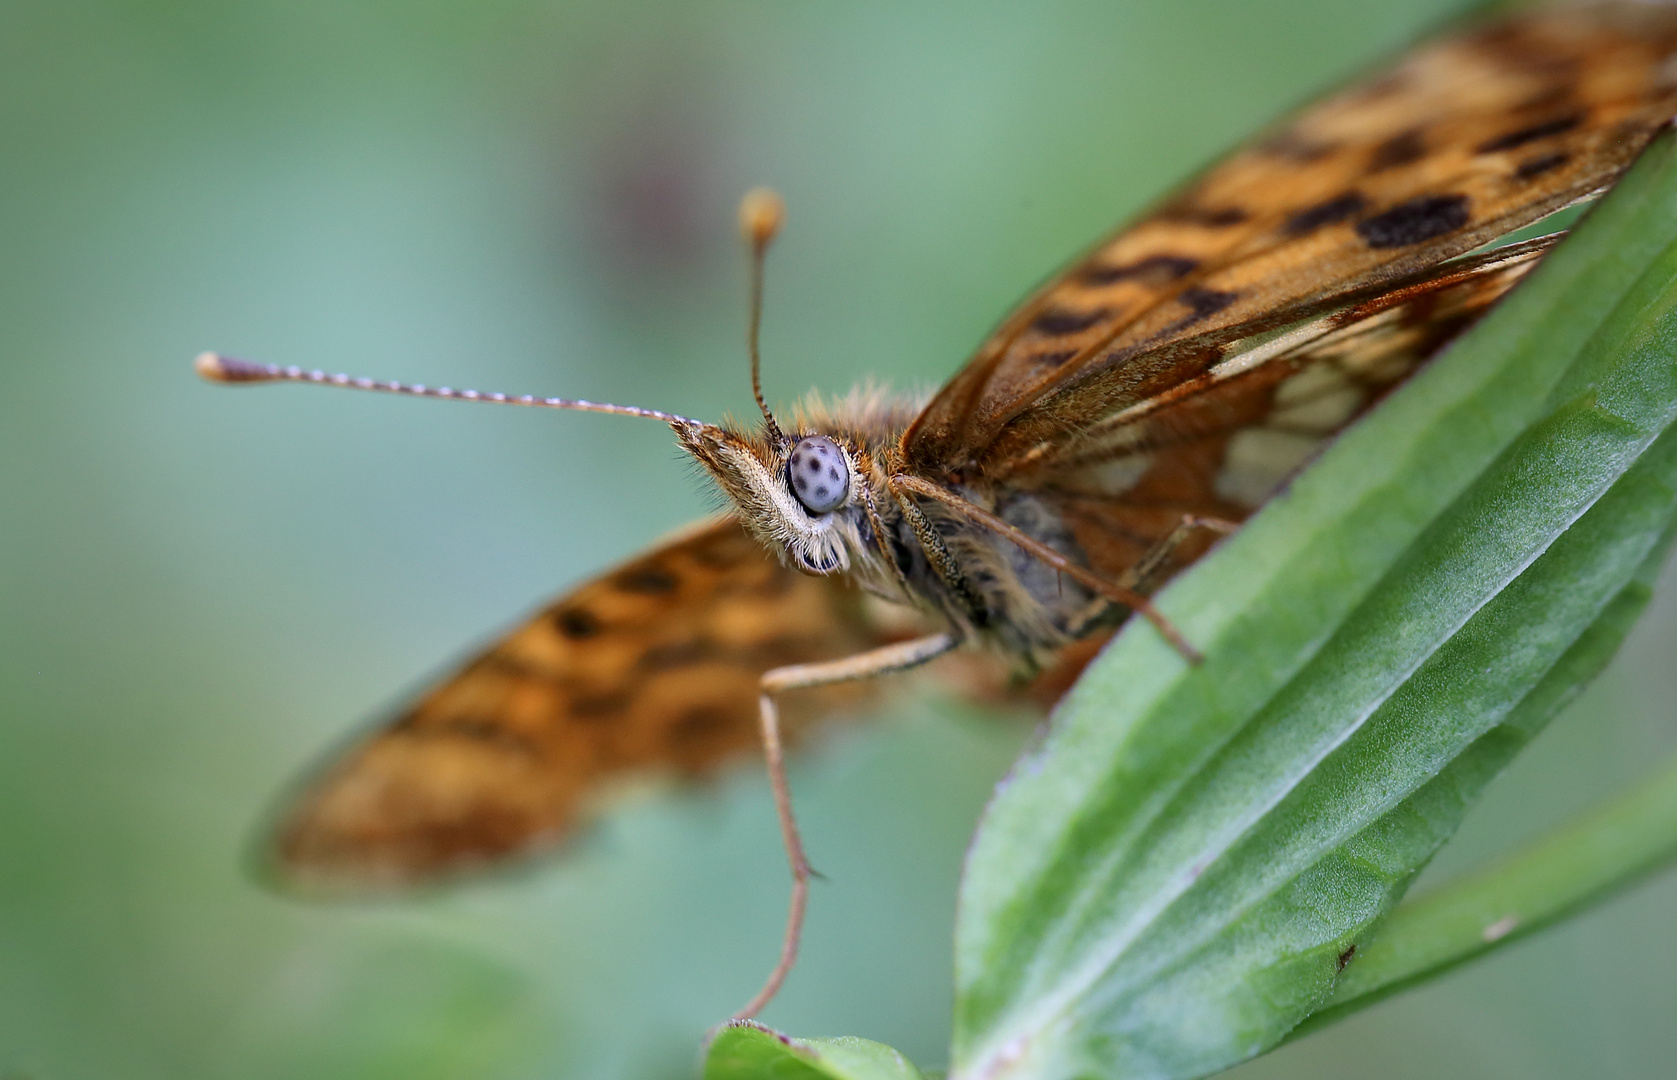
{"x": 1150, "y": 397}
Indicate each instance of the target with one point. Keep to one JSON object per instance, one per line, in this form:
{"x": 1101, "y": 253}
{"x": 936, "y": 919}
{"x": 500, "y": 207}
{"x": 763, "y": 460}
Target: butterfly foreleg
{"x": 1116, "y": 593}
{"x": 882, "y": 661}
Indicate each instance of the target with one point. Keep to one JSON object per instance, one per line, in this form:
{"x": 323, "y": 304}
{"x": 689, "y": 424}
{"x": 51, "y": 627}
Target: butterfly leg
{"x": 1114, "y": 592}
{"x": 1140, "y": 576}
{"x": 882, "y": 661}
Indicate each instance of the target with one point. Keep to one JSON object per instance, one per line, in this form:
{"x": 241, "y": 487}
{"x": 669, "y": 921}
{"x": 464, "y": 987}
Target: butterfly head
{"x": 795, "y": 493}
{"x": 799, "y": 495}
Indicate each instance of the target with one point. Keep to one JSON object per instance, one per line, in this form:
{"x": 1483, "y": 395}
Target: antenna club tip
{"x": 209, "y": 366}
{"x": 761, "y": 213}
{"x": 224, "y": 369}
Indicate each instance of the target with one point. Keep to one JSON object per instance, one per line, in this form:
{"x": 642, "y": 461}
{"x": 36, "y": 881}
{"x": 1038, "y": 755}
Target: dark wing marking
{"x": 649, "y": 669}
{"x": 1462, "y": 141}
{"x": 1223, "y": 446}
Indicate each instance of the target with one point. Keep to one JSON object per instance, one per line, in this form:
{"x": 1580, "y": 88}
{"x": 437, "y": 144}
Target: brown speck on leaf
{"x": 1345, "y": 957}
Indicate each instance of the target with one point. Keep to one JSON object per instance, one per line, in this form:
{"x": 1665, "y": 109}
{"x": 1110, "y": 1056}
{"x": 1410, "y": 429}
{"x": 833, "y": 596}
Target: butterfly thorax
{"x": 921, "y": 554}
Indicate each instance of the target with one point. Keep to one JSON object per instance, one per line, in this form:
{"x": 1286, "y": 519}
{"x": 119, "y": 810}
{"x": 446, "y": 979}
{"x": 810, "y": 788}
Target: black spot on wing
{"x": 1327, "y": 212}
{"x": 1056, "y": 322}
{"x": 1154, "y": 269}
{"x": 1211, "y": 217}
{"x": 646, "y": 580}
{"x": 577, "y": 623}
{"x": 591, "y": 708}
{"x": 1546, "y": 129}
{"x": 1401, "y": 149}
{"x": 1537, "y": 166}
{"x": 1414, "y": 221}
{"x": 1202, "y": 304}
{"x": 1053, "y": 359}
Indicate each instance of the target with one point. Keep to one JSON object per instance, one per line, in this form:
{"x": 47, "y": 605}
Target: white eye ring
{"x": 819, "y": 474}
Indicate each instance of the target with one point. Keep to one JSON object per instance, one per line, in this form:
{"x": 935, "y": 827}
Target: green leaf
{"x": 1575, "y": 867}
{"x": 1174, "y": 879}
{"x": 745, "y": 1050}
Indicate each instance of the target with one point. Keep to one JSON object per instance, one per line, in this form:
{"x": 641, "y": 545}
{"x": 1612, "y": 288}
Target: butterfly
{"x": 1141, "y": 404}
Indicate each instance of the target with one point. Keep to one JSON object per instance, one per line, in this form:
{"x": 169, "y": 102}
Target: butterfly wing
{"x": 650, "y": 669}
{"x": 1462, "y": 141}
{"x": 1225, "y": 445}
{"x": 1221, "y": 445}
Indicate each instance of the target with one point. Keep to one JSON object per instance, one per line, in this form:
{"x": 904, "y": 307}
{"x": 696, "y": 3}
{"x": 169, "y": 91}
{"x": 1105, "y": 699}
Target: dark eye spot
{"x": 820, "y": 483}
{"x": 1414, "y": 221}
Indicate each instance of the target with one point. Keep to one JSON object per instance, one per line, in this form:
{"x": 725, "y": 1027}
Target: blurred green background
{"x": 203, "y": 589}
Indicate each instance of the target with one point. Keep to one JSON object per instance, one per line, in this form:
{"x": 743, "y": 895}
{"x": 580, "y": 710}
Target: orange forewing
{"x": 1462, "y": 141}
{"x": 648, "y": 670}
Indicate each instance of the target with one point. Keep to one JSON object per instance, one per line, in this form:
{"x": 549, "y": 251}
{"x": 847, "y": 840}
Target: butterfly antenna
{"x": 226, "y": 369}
{"x": 761, "y": 212}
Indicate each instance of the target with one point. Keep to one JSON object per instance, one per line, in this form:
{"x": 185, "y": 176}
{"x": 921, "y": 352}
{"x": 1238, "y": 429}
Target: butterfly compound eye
{"x": 819, "y": 474}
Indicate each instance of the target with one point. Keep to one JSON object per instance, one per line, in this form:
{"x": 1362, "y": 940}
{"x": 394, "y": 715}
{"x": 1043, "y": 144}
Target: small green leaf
{"x": 745, "y": 1050}
{"x": 1175, "y": 878}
